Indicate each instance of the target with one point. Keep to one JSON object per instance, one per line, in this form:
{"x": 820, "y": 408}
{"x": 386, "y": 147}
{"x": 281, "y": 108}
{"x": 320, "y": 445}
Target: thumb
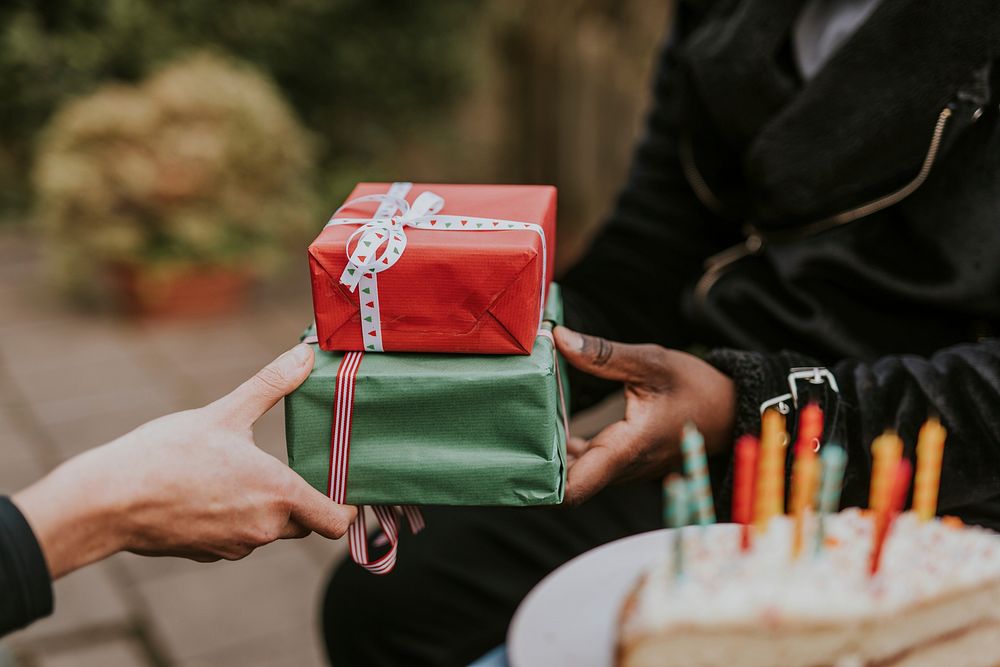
{"x": 315, "y": 511}
{"x": 618, "y": 362}
{"x": 253, "y": 398}
{"x": 599, "y": 463}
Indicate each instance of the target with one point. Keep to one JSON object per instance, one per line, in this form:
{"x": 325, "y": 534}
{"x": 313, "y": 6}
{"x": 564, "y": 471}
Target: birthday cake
{"x": 935, "y": 599}
{"x": 816, "y": 587}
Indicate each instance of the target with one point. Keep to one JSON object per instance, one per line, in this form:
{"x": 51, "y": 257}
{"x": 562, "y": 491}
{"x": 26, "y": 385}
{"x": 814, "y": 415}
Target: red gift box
{"x": 467, "y": 274}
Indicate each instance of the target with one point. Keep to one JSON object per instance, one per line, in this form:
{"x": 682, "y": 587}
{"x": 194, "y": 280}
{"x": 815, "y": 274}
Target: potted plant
{"x": 177, "y": 192}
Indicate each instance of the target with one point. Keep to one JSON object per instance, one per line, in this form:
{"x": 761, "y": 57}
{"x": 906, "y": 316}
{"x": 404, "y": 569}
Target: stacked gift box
{"x": 436, "y": 379}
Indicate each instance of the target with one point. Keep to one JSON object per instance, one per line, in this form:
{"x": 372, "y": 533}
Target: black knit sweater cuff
{"x": 758, "y": 378}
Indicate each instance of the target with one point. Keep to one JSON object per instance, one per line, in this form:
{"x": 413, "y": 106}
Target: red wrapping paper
{"x": 451, "y": 291}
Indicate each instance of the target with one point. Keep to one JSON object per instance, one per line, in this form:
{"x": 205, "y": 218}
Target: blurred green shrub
{"x": 361, "y": 74}
{"x": 203, "y": 164}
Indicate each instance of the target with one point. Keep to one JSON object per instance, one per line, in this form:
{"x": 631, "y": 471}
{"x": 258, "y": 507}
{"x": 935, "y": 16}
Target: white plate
{"x": 571, "y": 616}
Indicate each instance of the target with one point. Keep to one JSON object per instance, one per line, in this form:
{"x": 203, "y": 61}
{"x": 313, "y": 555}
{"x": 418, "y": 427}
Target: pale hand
{"x": 663, "y": 390}
{"x": 190, "y": 484}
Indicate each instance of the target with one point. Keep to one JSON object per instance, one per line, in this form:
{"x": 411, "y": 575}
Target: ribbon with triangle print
{"x": 380, "y": 241}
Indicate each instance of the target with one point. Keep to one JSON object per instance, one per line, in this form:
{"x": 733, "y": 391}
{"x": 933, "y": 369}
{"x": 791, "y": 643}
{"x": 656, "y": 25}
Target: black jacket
{"x": 851, "y": 221}
{"x": 25, "y": 587}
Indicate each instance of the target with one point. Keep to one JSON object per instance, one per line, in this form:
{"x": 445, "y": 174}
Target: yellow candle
{"x": 887, "y": 450}
{"x": 805, "y": 475}
{"x": 930, "y": 449}
{"x": 770, "y": 491}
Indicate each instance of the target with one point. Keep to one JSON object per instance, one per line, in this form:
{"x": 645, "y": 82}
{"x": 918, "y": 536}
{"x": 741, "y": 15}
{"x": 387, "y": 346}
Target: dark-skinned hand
{"x": 663, "y": 390}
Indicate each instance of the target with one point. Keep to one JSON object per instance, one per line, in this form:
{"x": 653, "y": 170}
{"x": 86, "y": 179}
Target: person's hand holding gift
{"x": 191, "y": 484}
{"x": 663, "y": 390}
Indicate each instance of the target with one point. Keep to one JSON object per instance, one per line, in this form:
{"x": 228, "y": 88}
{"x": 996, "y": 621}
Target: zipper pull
{"x": 715, "y": 265}
{"x": 753, "y": 244}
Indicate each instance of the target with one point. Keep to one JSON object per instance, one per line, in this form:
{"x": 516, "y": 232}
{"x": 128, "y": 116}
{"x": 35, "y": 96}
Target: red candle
{"x": 747, "y": 448}
{"x": 886, "y": 515}
{"x": 810, "y": 429}
{"x": 805, "y": 469}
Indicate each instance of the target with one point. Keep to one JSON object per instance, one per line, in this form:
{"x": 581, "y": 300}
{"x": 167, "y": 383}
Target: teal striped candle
{"x": 678, "y": 515}
{"x": 696, "y": 469}
{"x": 834, "y": 460}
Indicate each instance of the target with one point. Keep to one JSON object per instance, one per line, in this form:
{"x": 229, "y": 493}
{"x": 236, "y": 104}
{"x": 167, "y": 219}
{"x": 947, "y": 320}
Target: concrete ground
{"x": 69, "y": 382}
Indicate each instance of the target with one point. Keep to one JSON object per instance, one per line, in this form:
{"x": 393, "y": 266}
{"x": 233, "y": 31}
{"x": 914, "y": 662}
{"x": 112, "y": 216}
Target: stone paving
{"x": 70, "y": 381}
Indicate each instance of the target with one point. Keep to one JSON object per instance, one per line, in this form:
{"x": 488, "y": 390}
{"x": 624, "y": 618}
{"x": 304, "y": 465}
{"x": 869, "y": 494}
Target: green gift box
{"x": 434, "y": 429}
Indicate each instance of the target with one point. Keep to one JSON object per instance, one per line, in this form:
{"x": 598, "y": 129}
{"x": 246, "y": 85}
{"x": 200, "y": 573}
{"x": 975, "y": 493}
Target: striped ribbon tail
{"x": 414, "y": 517}
{"x": 389, "y": 523}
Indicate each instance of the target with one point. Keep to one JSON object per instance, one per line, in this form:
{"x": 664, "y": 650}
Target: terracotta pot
{"x": 182, "y": 293}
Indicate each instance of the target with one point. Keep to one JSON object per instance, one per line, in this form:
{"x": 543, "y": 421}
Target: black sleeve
{"x": 25, "y": 587}
{"x": 628, "y": 285}
{"x": 959, "y": 384}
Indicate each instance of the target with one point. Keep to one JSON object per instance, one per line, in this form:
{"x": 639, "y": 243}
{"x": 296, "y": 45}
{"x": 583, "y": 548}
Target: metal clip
{"x": 779, "y": 402}
{"x": 816, "y": 375}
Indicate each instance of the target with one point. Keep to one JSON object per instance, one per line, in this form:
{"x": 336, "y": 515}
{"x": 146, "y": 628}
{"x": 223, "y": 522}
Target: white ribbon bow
{"x": 381, "y": 241}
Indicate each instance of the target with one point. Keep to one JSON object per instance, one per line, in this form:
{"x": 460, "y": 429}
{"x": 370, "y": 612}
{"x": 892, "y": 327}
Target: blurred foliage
{"x": 202, "y": 164}
{"x": 361, "y": 74}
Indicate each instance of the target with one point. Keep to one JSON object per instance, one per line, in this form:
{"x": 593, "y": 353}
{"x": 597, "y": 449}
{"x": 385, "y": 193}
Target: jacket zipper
{"x": 694, "y": 177}
{"x": 717, "y": 264}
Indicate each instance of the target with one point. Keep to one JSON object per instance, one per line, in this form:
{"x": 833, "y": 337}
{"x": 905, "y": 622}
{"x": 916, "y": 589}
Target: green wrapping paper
{"x": 440, "y": 429}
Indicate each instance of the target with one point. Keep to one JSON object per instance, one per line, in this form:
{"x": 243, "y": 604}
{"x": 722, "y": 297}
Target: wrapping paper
{"x": 451, "y": 291}
{"x": 440, "y": 429}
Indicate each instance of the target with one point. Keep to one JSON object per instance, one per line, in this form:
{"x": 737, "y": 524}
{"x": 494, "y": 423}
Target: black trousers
{"x": 457, "y": 584}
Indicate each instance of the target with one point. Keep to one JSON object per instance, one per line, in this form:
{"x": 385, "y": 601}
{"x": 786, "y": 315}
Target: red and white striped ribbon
{"x": 343, "y": 411}
{"x": 358, "y": 538}
{"x": 340, "y": 450}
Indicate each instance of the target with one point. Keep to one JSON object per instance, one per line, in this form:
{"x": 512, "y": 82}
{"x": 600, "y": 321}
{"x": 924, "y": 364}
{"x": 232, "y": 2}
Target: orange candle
{"x": 770, "y": 486}
{"x": 887, "y": 450}
{"x": 747, "y": 448}
{"x": 805, "y": 473}
{"x": 899, "y": 486}
{"x": 930, "y": 449}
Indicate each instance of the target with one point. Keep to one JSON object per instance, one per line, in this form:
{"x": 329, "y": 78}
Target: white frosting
{"x": 766, "y": 586}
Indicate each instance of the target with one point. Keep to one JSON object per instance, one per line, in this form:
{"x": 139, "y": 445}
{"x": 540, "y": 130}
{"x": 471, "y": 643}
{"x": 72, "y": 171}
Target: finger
{"x": 576, "y": 446}
{"x": 313, "y": 510}
{"x": 259, "y": 394}
{"x": 606, "y": 359}
{"x": 294, "y": 531}
{"x": 601, "y": 463}
{"x": 589, "y": 474}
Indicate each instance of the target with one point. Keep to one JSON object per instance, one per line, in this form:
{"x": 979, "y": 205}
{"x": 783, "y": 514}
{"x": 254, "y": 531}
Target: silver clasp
{"x": 816, "y": 375}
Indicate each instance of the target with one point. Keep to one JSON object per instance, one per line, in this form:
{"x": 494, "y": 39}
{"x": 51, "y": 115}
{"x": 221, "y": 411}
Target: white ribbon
{"x": 381, "y": 240}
